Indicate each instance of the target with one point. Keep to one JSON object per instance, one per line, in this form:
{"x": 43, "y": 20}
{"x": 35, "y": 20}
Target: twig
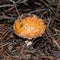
{"x": 7, "y": 32}
{"x": 43, "y": 13}
{"x": 21, "y": 1}
{"x": 52, "y": 37}
{"x": 47, "y": 6}
{"x": 15, "y": 7}
{"x": 7, "y": 5}
{"x": 9, "y": 9}
{"x": 57, "y": 8}
{"x": 37, "y": 10}
{"x": 47, "y": 57}
{"x": 56, "y": 29}
{"x": 6, "y": 17}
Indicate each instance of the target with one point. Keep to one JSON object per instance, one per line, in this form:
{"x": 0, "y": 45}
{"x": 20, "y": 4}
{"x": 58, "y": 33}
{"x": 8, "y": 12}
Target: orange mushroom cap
{"x": 29, "y": 26}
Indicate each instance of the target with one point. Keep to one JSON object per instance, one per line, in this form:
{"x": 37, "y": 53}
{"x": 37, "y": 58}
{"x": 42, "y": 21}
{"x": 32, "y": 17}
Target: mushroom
{"x": 29, "y": 26}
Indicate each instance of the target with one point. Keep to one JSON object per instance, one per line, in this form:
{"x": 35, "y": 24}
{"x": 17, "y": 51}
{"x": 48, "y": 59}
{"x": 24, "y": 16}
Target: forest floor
{"x": 46, "y": 47}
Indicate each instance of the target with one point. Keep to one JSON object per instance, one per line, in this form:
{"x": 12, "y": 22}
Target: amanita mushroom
{"x": 29, "y": 26}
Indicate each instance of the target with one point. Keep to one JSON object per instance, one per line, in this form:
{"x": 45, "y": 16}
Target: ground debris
{"x": 46, "y": 47}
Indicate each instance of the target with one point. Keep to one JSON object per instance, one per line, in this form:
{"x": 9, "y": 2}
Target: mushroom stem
{"x": 28, "y": 43}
